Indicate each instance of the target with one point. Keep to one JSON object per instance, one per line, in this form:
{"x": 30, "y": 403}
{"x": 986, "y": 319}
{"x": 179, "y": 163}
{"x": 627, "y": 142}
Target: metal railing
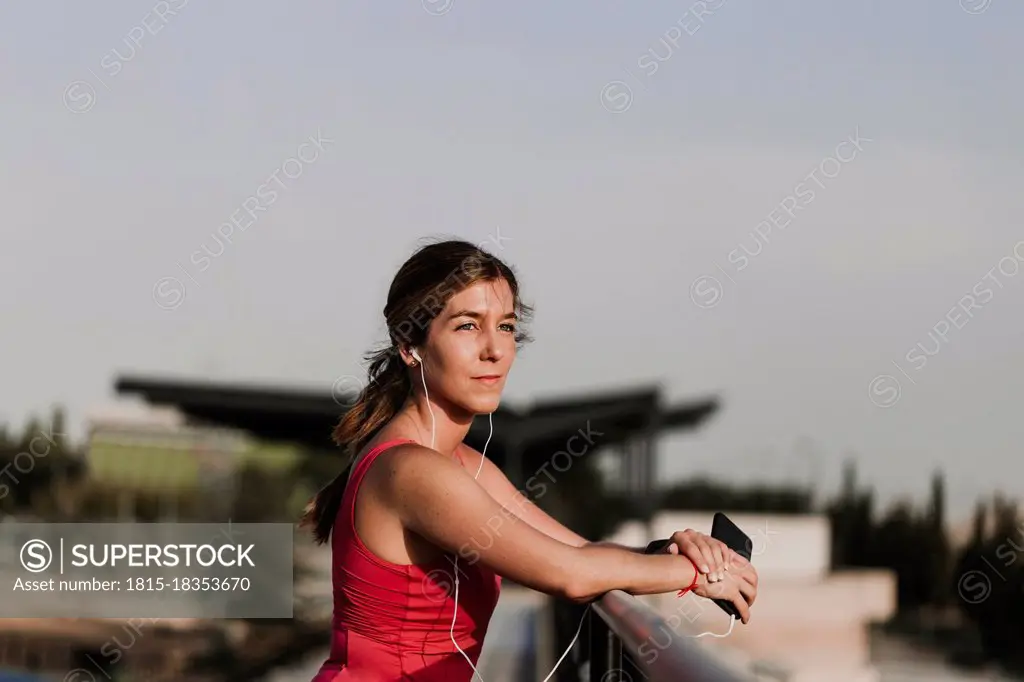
{"x": 629, "y": 642}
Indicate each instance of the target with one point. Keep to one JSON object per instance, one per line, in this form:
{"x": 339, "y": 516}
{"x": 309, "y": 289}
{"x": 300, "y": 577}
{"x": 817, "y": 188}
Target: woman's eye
{"x": 510, "y": 328}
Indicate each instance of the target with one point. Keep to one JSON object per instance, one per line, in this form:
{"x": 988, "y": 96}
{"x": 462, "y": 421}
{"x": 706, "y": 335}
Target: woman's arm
{"x": 520, "y": 507}
{"x": 438, "y": 499}
{"x": 501, "y": 489}
{"x": 709, "y": 554}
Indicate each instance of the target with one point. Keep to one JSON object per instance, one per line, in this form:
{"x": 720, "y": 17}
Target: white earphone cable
{"x": 433, "y": 424}
{"x": 455, "y": 560}
{"x": 732, "y": 622}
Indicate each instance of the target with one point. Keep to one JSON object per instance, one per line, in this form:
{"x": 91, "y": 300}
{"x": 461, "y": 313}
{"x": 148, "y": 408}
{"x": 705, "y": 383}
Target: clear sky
{"x": 627, "y": 152}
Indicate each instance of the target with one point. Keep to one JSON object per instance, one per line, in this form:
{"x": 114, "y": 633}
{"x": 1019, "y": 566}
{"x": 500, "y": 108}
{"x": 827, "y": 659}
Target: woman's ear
{"x": 410, "y": 356}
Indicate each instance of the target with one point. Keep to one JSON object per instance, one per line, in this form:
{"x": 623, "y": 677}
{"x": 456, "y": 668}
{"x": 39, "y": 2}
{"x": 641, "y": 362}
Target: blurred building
{"x": 136, "y": 453}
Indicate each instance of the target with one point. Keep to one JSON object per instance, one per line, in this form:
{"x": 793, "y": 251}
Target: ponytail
{"x": 386, "y": 390}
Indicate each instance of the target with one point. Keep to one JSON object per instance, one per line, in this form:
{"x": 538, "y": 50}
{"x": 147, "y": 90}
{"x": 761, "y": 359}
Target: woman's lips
{"x": 489, "y": 379}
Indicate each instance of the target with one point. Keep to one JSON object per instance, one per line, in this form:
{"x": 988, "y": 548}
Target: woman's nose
{"x": 492, "y": 347}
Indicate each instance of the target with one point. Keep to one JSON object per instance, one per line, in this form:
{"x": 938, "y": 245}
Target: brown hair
{"x": 418, "y": 293}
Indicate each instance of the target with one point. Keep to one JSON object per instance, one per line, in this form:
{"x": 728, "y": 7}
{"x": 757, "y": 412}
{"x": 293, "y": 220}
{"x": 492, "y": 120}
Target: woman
{"x": 415, "y": 494}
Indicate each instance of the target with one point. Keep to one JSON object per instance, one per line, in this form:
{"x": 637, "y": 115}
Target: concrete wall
{"x": 784, "y": 546}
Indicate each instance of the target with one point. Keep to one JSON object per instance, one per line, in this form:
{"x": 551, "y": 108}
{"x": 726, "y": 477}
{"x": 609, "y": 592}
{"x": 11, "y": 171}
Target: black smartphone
{"x": 722, "y": 528}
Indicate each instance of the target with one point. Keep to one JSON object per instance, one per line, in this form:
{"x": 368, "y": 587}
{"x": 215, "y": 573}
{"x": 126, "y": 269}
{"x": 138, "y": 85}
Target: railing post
{"x": 599, "y": 636}
{"x": 614, "y": 662}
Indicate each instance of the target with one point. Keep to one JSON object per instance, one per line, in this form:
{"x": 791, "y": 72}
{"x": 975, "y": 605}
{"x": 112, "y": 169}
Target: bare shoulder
{"x": 411, "y": 456}
{"x": 410, "y": 467}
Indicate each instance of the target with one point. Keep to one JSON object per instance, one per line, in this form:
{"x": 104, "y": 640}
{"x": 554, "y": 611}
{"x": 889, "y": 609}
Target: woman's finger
{"x": 741, "y": 605}
{"x": 748, "y": 591}
{"x": 708, "y": 555}
{"x": 692, "y": 552}
{"x": 719, "y": 549}
{"x": 689, "y": 548}
{"x": 737, "y": 562}
{"x": 717, "y": 560}
{"x": 749, "y": 575}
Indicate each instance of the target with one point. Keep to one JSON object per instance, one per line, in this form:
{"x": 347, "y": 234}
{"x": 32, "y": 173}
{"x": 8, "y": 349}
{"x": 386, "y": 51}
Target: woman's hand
{"x": 745, "y": 570}
{"x": 722, "y": 572}
{"x": 711, "y": 557}
{"x": 739, "y": 587}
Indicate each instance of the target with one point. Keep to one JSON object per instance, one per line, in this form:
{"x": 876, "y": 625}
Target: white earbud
{"x": 416, "y": 355}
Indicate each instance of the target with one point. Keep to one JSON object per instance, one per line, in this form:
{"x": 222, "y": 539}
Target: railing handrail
{"x": 682, "y": 659}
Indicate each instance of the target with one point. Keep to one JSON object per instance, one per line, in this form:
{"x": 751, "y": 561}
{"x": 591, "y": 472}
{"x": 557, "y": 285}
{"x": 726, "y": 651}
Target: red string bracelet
{"x": 696, "y": 575}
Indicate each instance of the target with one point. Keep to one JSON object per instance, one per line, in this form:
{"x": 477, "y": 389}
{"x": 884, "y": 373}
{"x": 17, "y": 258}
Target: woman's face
{"x": 470, "y": 347}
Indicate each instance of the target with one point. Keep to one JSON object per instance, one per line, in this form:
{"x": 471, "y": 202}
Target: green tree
{"x": 852, "y": 519}
{"x": 992, "y": 570}
{"x": 938, "y": 546}
{"x": 912, "y": 544}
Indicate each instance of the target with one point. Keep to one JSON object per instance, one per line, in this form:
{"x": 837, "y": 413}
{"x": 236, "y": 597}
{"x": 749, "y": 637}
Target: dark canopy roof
{"x": 308, "y": 416}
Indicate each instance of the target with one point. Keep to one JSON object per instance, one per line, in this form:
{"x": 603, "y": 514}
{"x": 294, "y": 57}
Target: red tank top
{"x": 393, "y": 621}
